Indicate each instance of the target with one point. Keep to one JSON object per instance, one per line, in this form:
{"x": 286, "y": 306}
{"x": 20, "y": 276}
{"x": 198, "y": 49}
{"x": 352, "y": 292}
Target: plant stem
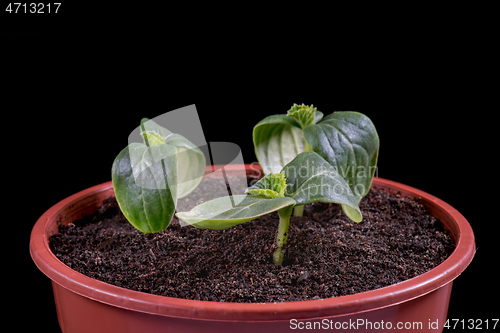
{"x": 298, "y": 210}
{"x": 306, "y": 146}
{"x": 284, "y": 214}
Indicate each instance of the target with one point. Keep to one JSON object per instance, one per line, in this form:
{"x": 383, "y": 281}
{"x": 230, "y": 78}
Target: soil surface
{"x": 327, "y": 254}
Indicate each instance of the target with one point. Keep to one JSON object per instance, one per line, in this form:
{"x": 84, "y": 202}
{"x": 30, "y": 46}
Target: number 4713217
{"x": 472, "y": 324}
{"x": 33, "y": 7}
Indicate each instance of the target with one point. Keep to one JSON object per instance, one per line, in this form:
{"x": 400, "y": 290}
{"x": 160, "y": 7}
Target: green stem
{"x": 284, "y": 214}
{"x": 306, "y": 146}
{"x": 298, "y": 210}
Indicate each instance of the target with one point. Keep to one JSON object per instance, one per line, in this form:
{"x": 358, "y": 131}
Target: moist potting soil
{"x": 327, "y": 255}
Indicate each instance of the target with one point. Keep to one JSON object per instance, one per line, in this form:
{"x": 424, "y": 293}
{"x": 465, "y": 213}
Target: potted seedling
{"x": 307, "y": 159}
{"x": 306, "y": 179}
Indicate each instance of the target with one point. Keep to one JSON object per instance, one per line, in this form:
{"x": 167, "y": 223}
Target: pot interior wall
{"x": 434, "y": 208}
{"x": 78, "y": 208}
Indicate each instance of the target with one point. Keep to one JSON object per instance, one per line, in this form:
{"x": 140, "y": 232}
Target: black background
{"x": 73, "y": 91}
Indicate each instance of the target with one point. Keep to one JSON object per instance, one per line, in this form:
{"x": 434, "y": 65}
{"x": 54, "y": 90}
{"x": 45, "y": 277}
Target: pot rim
{"x": 404, "y": 291}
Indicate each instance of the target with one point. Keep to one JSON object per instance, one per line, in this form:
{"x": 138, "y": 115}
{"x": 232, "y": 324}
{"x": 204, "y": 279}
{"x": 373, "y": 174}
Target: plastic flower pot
{"x": 87, "y": 305}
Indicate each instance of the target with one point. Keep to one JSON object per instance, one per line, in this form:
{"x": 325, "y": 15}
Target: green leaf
{"x": 153, "y": 138}
{"x": 144, "y": 180}
{"x": 277, "y": 140}
{"x": 310, "y": 178}
{"x": 350, "y": 143}
{"x": 270, "y": 186}
{"x": 149, "y": 177}
{"x": 226, "y": 212}
{"x": 191, "y": 161}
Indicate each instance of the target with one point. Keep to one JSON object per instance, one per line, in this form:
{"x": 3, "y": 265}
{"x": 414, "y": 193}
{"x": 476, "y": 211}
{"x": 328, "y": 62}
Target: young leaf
{"x": 349, "y": 142}
{"x": 271, "y": 186}
{"x": 153, "y": 138}
{"x": 305, "y": 115}
{"x": 149, "y": 177}
{"x": 221, "y": 214}
{"x": 144, "y": 180}
{"x": 278, "y": 139}
{"x": 310, "y": 178}
{"x": 191, "y": 161}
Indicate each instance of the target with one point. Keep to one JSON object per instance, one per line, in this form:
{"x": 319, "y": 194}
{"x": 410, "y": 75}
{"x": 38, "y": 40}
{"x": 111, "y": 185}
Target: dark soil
{"x": 327, "y": 255}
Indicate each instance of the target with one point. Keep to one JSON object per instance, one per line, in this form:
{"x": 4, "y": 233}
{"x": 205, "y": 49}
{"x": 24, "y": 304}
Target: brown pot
{"x": 87, "y": 305}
